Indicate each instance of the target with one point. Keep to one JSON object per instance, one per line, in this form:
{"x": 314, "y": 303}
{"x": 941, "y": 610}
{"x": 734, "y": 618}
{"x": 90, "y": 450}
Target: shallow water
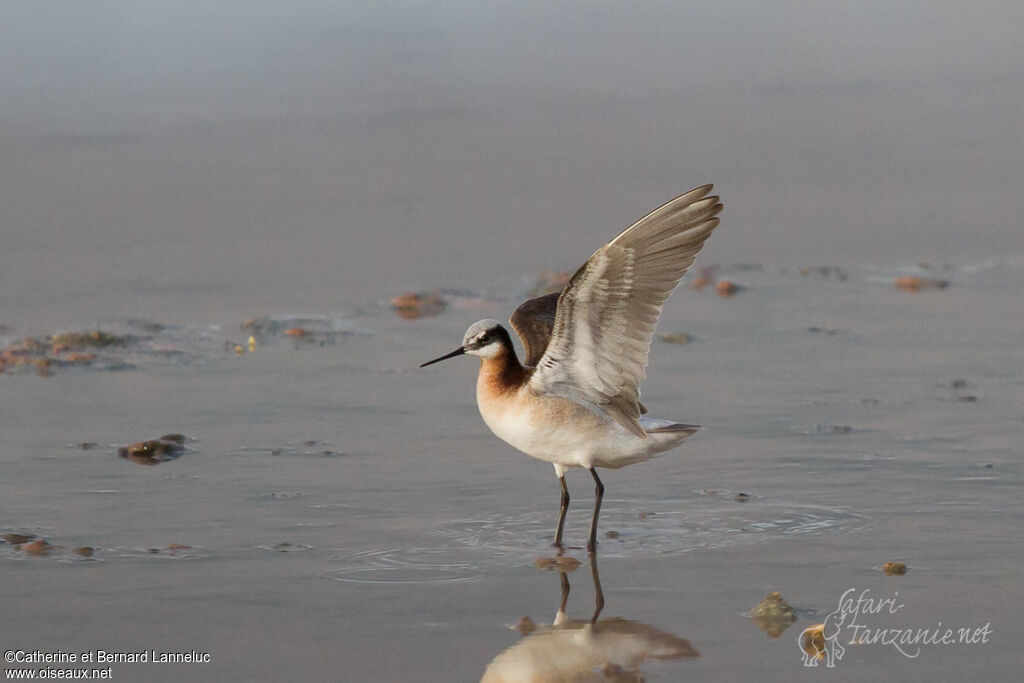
{"x": 341, "y": 515}
{"x": 323, "y": 522}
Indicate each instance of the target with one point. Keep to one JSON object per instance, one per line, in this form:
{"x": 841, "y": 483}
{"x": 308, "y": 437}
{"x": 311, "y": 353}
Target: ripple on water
{"x": 467, "y": 547}
{"x": 404, "y": 566}
{"x": 657, "y": 528}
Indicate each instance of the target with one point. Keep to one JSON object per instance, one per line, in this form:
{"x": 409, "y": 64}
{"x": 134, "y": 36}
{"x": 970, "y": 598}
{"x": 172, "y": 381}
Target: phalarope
{"x": 575, "y": 402}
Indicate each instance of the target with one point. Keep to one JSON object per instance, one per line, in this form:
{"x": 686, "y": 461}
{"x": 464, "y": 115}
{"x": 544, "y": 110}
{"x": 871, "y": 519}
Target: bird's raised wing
{"x": 606, "y": 315}
{"x": 533, "y": 322}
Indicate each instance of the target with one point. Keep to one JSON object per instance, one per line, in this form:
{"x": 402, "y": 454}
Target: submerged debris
{"x": 320, "y": 330}
{"x": 726, "y": 288}
{"x": 286, "y": 547}
{"x": 155, "y": 451}
{"x": 548, "y": 282}
{"x": 18, "y": 539}
{"x": 308, "y": 447}
{"x": 125, "y": 345}
{"x": 77, "y": 341}
{"x": 674, "y": 337}
{"x": 894, "y": 568}
{"x": 564, "y": 564}
{"x": 914, "y": 283}
{"x": 699, "y": 282}
{"x": 31, "y": 545}
{"x": 412, "y": 305}
{"x": 773, "y": 615}
{"x": 826, "y": 272}
{"x": 37, "y": 548}
{"x": 525, "y": 626}
{"x": 704, "y": 277}
{"x": 171, "y": 550}
{"x": 60, "y": 350}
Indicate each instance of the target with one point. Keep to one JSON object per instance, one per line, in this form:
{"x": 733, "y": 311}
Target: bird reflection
{"x": 610, "y": 649}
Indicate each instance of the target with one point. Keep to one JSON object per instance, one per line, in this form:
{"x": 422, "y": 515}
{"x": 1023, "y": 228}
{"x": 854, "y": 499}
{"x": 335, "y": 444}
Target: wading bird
{"x": 576, "y": 401}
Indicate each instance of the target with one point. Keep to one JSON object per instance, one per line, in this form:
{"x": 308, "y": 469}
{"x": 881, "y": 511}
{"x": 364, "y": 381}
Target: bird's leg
{"x": 562, "y": 511}
{"x": 598, "y": 593}
{"x": 598, "y": 495}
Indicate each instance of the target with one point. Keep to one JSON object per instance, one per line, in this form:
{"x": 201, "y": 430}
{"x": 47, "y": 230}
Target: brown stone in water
{"x": 84, "y": 551}
{"x": 152, "y": 452}
{"x": 37, "y": 548}
{"x": 674, "y": 337}
{"x": 412, "y": 305}
{"x": 296, "y": 332}
{"x": 894, "y": 568}
{"x": 18, "y": 539}
{"x": 178, "y": 546}
{"x": 700, "y": 282}
{"x": 773, "y": 615}
{"x": 525, "y": 626}
{"x": 913, "y": 283}
{"x": 80, "y": 340}
{"x": 726, "y": 288}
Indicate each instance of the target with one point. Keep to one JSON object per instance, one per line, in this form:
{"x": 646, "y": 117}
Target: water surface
{"x": 341, "y": 515}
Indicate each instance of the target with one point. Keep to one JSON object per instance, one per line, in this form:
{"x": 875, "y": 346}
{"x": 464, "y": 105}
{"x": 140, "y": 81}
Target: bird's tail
{"x": 655, "y": 426}
{"x": 667, "y": 434}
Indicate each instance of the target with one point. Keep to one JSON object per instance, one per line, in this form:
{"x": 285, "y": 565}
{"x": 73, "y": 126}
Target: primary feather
{"x": 605, "y": 317}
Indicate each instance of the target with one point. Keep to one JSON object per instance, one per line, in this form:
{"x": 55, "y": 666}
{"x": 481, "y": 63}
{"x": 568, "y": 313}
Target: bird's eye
{"x": 484, "y": 338}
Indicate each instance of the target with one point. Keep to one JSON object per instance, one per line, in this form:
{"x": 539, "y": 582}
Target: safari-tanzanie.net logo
{"x": 861, "y": 619}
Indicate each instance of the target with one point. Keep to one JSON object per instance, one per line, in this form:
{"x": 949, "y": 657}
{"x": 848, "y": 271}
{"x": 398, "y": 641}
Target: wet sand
{"x": 338, "y": 514}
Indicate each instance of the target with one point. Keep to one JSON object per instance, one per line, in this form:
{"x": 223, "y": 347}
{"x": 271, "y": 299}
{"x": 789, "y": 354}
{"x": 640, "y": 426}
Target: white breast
{"x": 558, "y": 430}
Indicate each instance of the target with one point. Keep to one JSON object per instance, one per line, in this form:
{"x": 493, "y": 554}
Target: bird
{"x": 574, "y": 401}
{"x": 612, "y": 649}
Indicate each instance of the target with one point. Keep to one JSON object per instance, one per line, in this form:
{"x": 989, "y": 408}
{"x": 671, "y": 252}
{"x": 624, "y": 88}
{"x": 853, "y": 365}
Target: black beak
{"x": 457, "y": 352}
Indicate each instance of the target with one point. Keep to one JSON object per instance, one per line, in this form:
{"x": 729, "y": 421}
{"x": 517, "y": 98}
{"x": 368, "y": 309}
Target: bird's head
{"x": 484, "y": 339}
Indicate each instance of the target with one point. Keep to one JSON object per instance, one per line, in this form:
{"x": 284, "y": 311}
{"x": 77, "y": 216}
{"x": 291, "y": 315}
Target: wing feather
{"x": 533, "y": 322}
{"x": 601, "y": 331}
